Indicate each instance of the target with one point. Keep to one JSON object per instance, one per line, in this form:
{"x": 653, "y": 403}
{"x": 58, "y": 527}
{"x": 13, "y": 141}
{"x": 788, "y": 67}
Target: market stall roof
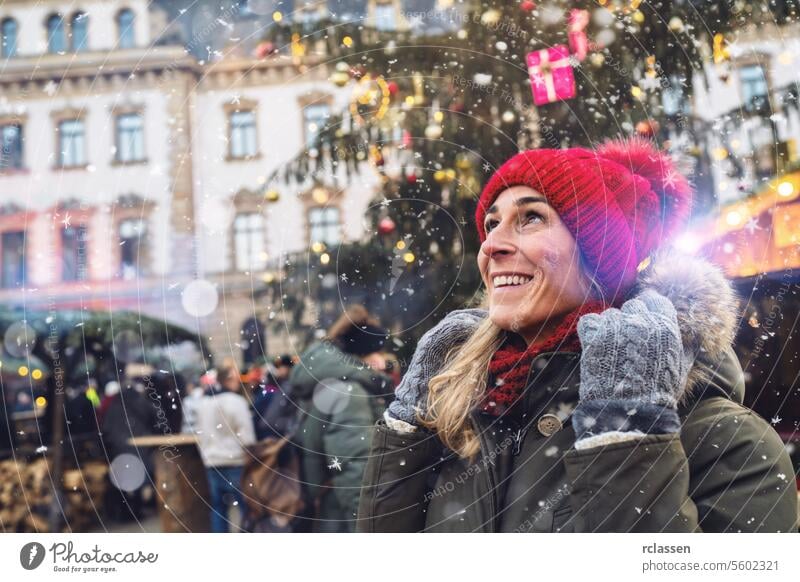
{"x": 760, "y": 234}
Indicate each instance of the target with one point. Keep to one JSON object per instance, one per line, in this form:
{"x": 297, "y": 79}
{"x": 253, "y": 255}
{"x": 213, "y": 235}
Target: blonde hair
{"x": 461, "y": 384}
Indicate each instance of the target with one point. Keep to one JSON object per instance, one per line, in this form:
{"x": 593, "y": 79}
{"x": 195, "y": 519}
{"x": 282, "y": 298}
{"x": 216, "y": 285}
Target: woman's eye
{"x": 532, "y": 217}
{"x": 489, "y": 225}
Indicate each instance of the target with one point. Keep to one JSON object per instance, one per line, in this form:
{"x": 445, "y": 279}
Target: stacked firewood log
{"x": 26, "y": 496}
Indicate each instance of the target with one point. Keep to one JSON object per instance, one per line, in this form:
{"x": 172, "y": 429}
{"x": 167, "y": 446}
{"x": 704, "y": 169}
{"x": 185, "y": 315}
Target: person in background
{"x": 340, "y": 397}
{"x": 224, "y": 428}
{"x": 190, "y": 403}
{"x": 130, "y": 414}
{"x": 110, "y": 392}
{"x": 273, "y": 410}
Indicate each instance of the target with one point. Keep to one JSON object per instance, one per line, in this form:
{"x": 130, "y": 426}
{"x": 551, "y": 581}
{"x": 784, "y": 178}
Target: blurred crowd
{"x": 284, "y": 441}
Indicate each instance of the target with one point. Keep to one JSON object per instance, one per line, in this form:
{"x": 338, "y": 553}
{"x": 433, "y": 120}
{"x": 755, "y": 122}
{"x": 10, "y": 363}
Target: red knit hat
{"x": 620, "y": 202}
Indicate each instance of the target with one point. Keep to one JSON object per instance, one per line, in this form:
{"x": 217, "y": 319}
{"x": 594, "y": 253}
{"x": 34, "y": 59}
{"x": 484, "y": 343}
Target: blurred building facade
{"x": 130, "y": 167}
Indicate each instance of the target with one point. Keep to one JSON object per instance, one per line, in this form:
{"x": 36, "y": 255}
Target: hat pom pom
{"x": 640, "y": 156}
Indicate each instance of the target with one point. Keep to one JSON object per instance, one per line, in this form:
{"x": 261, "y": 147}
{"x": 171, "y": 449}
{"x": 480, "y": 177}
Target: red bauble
{"x": 527, "y": 5}
{"x": 392, "y": 87}
{"x": 386, "y": 225}
{"x": 411, "y": 178}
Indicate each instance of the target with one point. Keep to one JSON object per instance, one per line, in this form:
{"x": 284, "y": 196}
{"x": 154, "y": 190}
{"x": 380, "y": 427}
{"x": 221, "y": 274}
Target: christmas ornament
{"x": 272, "y": 196}
{"x": 491, "y": 17}
{"x": 647, "y": 128}
{"x": 508, "y": 116}
{"x": 597, "y": 59}
{"x": 721, "y": 52}
{"x": 264, "y": 49}
{"x": 370, "y": 94}
{"x": 386, "y": 225}
{"x": 675, "y": 24}
{"x": 393, "y": 88}
{"x": 551, "y": 75}
{"x": 444, "y": 176}
{"x": 297, "y": 49}
{"x": 341, "y": 75}
{"x": 527, "y": 6}
{"x": 433, "y": 131}
{"x": 576, "y": 32}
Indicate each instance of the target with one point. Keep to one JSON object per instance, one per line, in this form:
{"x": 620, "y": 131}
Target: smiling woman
{"x": 585, "y": 396}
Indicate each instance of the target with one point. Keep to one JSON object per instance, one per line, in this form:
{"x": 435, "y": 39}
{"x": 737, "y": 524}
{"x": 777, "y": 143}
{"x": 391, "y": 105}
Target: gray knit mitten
{"x": 428, "y": 360}
{"x": 633, "y": 369}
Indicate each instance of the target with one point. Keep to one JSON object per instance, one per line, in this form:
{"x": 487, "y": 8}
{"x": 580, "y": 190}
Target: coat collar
{"x": 706, "y": 306}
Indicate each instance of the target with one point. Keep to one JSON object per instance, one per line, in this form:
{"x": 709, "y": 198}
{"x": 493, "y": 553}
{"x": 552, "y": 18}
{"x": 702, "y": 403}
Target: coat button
{"x": 549, "y": 424}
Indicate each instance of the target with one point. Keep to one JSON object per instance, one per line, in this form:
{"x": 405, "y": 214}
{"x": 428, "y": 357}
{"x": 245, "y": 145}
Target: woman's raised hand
{"x": 633, "y": 368}
{"x": 429, "y": 357}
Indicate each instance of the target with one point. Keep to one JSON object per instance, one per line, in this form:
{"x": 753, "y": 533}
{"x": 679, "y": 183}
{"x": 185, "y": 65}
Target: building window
{"x": 56, "y": 41}
{"x": 754, "y": 87}
{"x": 243, "y": 142}
{"x": 130, "y": 137}
{"x": 12, "y": 246}
{"x": 324, "y": 225}
{"x": 8, "y": 38}
{"x": 385, "y": 17}
{"x": 74, "y": 253}
{"x": 131, "y": 242}
{"x": 248, "y": 242}
{"x": 11, "y": 154}
{"x": 314, "y": 118}
{"x": 79, "y": 31}
{"x": 125, "y": 29}
{"x": 71, "y": 142}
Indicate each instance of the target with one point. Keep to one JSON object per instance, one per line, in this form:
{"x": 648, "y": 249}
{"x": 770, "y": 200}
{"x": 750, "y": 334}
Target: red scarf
{"x": 511, "y": 363}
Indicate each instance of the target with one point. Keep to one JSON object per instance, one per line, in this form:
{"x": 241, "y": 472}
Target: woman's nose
{"x": 499, "y": 241}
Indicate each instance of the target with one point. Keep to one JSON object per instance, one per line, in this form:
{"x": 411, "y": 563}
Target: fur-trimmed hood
{"x": 707, "y": 310}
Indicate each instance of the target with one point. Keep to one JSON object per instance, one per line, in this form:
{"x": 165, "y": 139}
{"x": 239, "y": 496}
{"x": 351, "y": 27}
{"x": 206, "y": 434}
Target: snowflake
{"x": 335, "y": 464}
{"x": 487, "y": 166}
{"x": 66, "y": 221}
{"x": 343, "y": 277}
{"x": 775, "y": 419}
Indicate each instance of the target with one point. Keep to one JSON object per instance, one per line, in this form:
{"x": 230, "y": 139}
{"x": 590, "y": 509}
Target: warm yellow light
{"x": 318, "y": 247}
{"x": 324, "y": 258}
{"x": 22, "y": 370}
{"x": 268, "y": 278}
{"x": 277, "y": 16}
{"x": 409, "y": 257}
{"x": 401, "y": 244}
{"x": 734, "y": 218}
{"x": 41, "y": 401}
{"x": 347, "y": 41}
{"x": 785, "y": 189}
{"x": 438, "y": 116}
{"x": 720, "y": 154}
{"x": 636, "y": 91}
{"x": 320, "y": 195}
{"x": 409, "y": 100}
{"x": 36, "y": 374}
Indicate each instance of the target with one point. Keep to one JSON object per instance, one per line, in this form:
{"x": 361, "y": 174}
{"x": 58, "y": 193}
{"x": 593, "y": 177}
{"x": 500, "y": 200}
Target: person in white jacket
{"x": 224, "y": 428}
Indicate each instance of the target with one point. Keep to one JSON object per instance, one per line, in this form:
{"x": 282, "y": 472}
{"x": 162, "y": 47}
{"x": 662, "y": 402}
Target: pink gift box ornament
{"x": 551, "y": 75}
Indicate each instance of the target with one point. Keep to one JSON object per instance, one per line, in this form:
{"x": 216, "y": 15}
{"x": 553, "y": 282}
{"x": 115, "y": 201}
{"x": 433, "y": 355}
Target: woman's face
{"x": 530, "y": 265}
